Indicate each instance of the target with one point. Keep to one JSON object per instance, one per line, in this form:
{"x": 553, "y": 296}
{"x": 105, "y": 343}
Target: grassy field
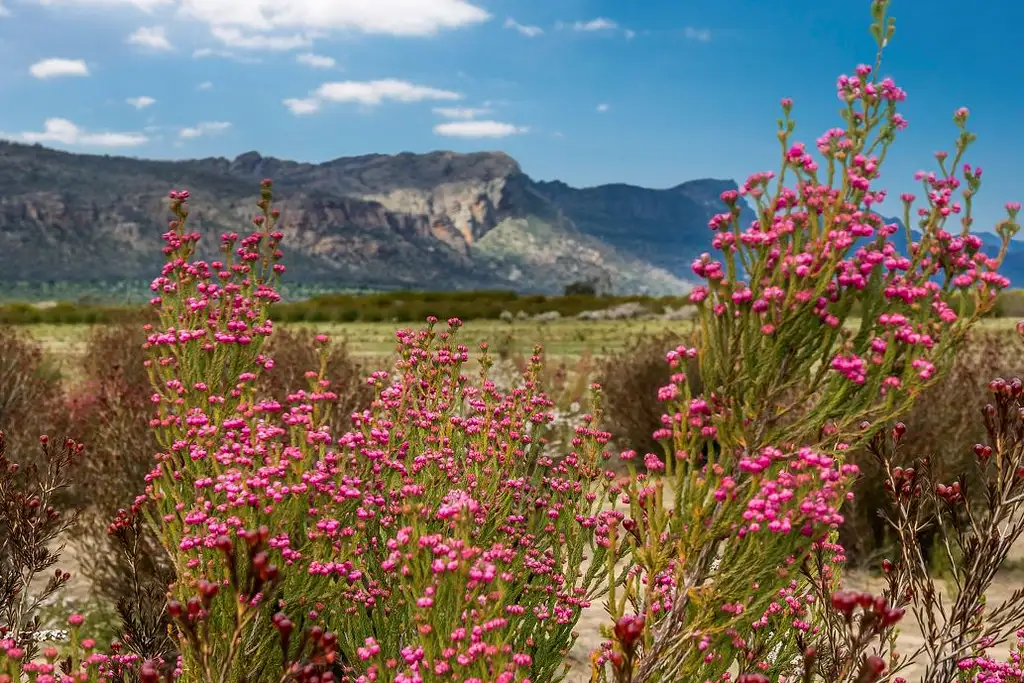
{"x": 565, "y": 338}
{"x": 560, "y": 339}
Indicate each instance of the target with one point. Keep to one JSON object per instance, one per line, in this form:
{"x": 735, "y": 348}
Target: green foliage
{"x": 399, "y": 307}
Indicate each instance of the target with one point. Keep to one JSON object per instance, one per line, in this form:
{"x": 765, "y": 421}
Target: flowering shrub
{"x": 734, "y": 563}
{"x": 433, "y": 541}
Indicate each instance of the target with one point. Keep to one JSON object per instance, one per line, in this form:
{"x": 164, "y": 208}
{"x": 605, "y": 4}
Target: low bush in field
{"x": 342, "y": 308}
{"x": 631, "y": 381}
{"x": 31, "y": 390}
{"x": 946, "y": 424}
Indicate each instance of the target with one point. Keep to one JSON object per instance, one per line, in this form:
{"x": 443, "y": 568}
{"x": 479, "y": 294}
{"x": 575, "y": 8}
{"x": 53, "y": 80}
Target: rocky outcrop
{"x": 438, "y": 220}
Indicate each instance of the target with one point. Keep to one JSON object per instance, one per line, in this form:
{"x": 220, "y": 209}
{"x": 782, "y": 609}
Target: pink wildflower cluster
{"x": 436, "y": 536}
{"x": 816, "y": 248}
{"x": 85, "y": 663}
{"x": 981, "y": 668}
{"x": 805, "y": 495}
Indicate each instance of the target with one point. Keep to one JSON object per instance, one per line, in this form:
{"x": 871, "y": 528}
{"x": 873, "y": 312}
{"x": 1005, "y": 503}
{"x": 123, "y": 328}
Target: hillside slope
{"x": 439, "y": 220}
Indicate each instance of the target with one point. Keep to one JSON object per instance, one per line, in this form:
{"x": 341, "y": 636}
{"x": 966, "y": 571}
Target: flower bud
{"x": 898, "y": 430}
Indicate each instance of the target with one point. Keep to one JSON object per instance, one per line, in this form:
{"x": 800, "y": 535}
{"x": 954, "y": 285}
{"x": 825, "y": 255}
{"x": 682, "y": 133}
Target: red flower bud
{"x": 628, "y": 630}
{"x": 898, "y": 430}
{"x": 872, "y": 669}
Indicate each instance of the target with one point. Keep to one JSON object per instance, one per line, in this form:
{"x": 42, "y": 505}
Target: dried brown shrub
{"x": 943, "y": 425}
{"x": 110, "y": 411}
{"x": 32, "y": 524}
{"x": 629, "y": 381}
{"x": 31, "y": 392}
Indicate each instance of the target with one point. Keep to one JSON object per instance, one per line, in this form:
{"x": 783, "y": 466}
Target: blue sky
{"x": 649, "y": 92}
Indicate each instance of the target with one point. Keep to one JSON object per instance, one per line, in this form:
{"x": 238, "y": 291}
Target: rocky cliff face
{"x": 439, "y": 220}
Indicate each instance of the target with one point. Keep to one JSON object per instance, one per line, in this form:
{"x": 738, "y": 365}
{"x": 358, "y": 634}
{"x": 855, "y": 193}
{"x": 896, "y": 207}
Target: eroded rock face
{"x": 438, "y": 220}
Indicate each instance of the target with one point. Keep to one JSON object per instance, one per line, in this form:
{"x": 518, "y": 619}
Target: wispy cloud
{"x": 205, "y": 85}
{"x": 233, "y": 37}
{"x": 204, "y": 52}
{"x": 368, "y": 94}
{"x": 204, "y": 129}
{"x": 316, "y": 61}
{"x": 598, "y": 24}
{"x": 141, "y": 102}
{"x": 153, "y": 37}
{"x": 525, "y": 29}
{"x": 277, "y": 25}
{"x": 4, "y": 12}
{"x": 478, "y": 129}
{"x": 701, "y": 35}
{"x": 390, "y": 17}
{"x": 144, "y": 5}
{"x": 461, "y": 112}
{"x": 602, "y": 108}
{"x": 56, "y": 67}
{"x": 65, "y": 132}
{"x": 301, "y": 106}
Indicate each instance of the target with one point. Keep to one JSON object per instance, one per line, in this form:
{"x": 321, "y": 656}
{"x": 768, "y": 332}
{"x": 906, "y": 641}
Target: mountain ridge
{"x": 439, "y": 220}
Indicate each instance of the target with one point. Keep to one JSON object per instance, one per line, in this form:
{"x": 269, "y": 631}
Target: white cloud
{"x": 144, "y": 5}
{"x": 205, "y": 85}
{"x": 461, "y": 112}
{"x": 205, "y": 128}
{"x": 316, "y": 61}
{"x": 372, "y": 93}
{"x": 276, "y": 25}
{"x": 55, "y": 67}
{"x": 599, "y": 24}
{"x": 367, "y": 94}
{"x": 225, "y": 54}
{"x": 602, "y": 107}
{"x": 701, "y": 35}
{"x": 394, "y": 17}
{"x": 478, "y": 129}
{"x": 67, "y": 133}
{"x": 233, "y": 37}
{"x": 141, "y": 102}
{"x": 630, "y": 34}
{"x": 4, "y": 12}
{"x": 302, "y": 106}
{"x": 526, "y": 30}
{"x": 153, "y": 37}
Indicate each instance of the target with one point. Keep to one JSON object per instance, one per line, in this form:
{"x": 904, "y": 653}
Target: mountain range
{"x": 423, "y": 221}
